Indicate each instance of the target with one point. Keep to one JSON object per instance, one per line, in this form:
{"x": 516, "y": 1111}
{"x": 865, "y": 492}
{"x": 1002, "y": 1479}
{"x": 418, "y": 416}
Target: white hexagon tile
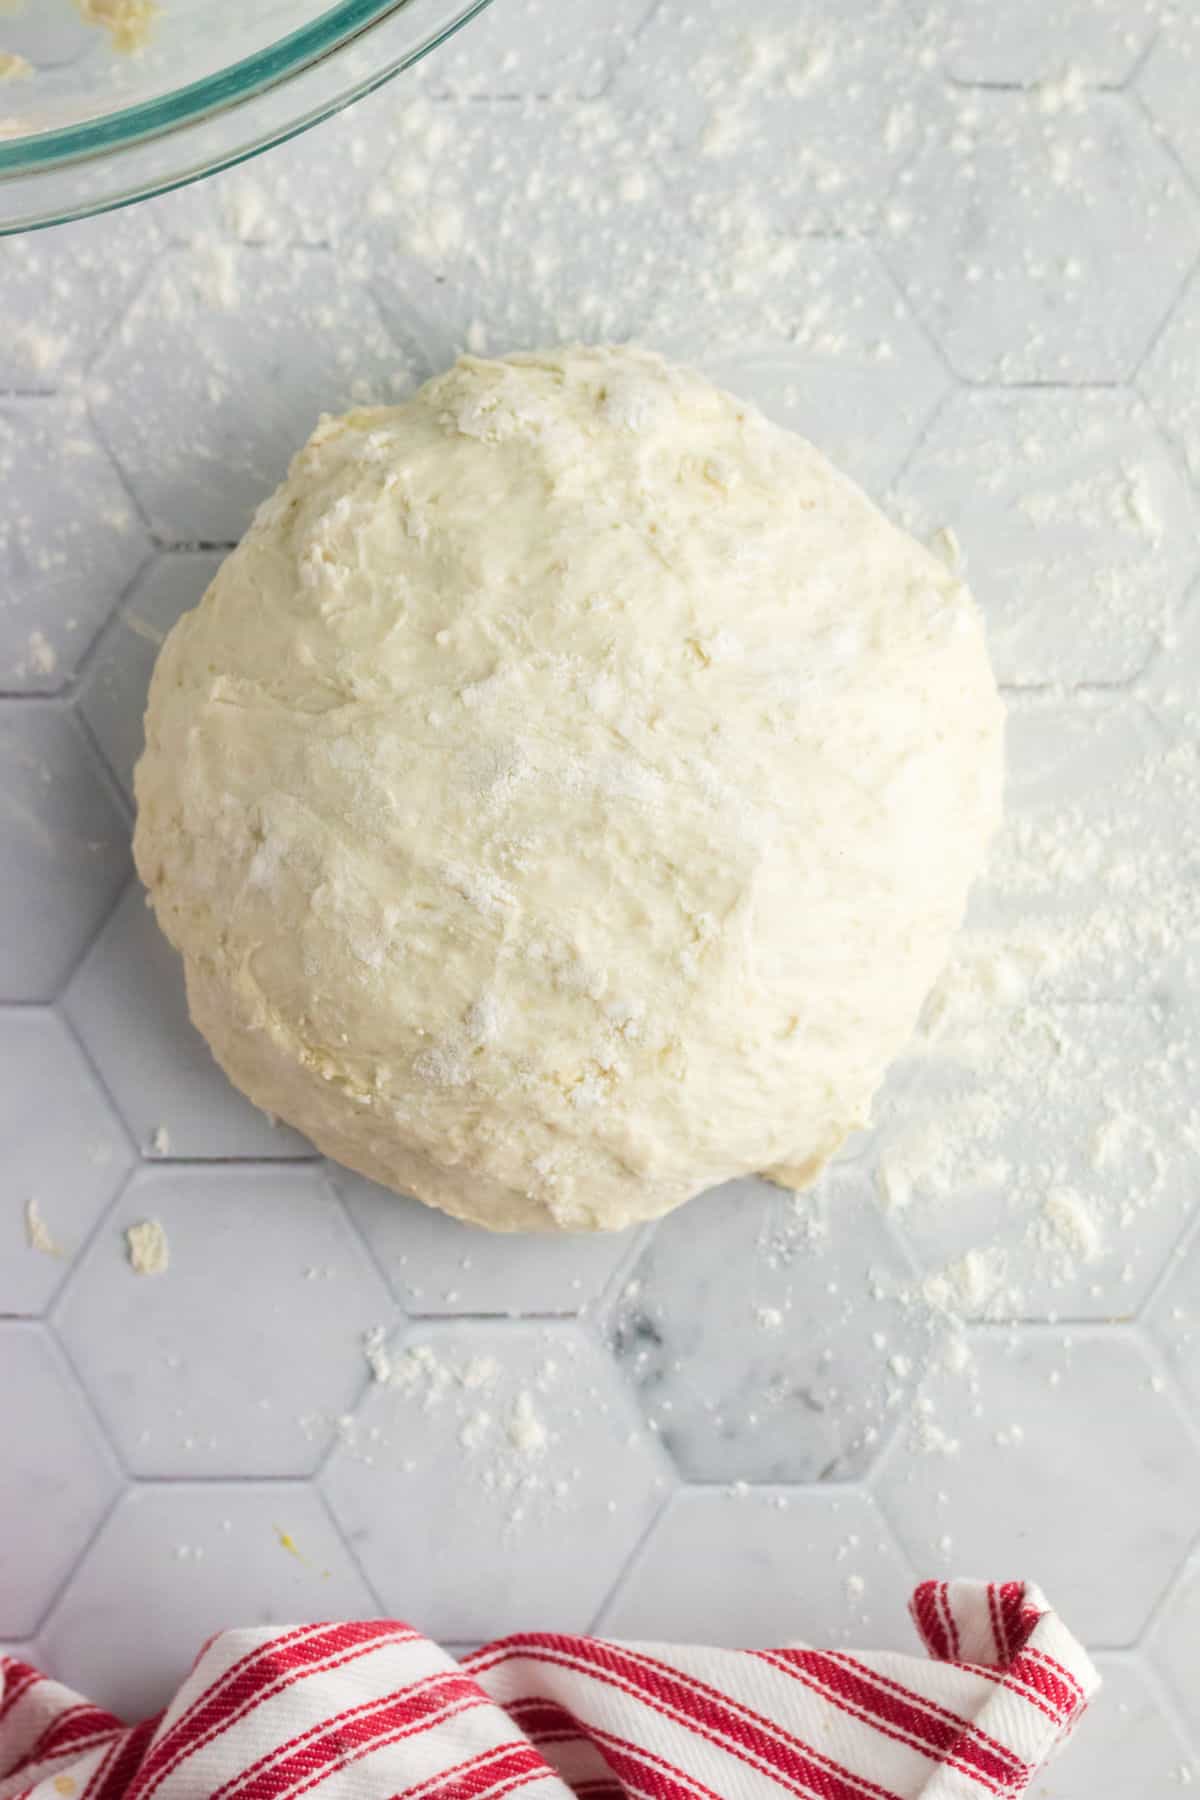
{"x": 1042, "y": 236}
{"x": 235, "y": 1350}
{"x": 1076, "y": 527}
{"x": 437, "y": 1266}
{"x": 537, "y": 47}
{"x": 61, "y": 293}
{"x": 1133, "y": 1743}
{"x": 496, "y": 1450}
{"x": 1061, "y": 1453}
{"x": 1166, "y": 377}
{"x": 443, "y": 230}
{"x": 955, "y": 243}
{"x": 59, "y": 1182}
{"x": 64, "y": 848}
{"x": 796, "y": 1369}
{"x": 778, "y": 1564}
{"x": 1029, "y": 41}
{"x": 1173, "y": 1320}
{"x": 309, "y": 191}
{"x": 59, "y": 1476}
{"x": 1035, "y": 1170}
{"x": 1167, "y": 83}
{"x": 1167, "y": 687}
{"x": 797, "y": 108}
{"x": 850, "y": 369}
{"x": 260, "y": 1552}
{"x": 74, "y": 513}
{"x": 1174, "y": 1645}
{"x": 1090, "y": 890}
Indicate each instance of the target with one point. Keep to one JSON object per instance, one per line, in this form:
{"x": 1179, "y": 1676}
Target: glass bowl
{"x": 85, "y": 125}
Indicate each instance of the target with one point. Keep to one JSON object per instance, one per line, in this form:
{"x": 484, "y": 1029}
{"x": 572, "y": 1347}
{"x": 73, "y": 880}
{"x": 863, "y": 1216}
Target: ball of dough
{"x": 564, "y": 796}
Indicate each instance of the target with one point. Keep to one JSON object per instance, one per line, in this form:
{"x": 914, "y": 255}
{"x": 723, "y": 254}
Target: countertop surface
{"x": 957, "y": 247}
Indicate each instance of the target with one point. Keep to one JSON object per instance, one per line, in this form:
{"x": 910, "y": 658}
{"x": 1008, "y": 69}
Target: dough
{"x": 129, "y": 23}
{"x": 564, "y": 796}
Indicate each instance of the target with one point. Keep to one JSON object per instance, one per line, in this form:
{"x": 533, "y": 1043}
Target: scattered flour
{"x": 964, "y": 1287}
{"x": 375, "y": 1350}
{"x": 526, "y": 1432}
{"x": 147, "y": 1248}
{"x": 43, "y": 349}
{"x": 1074, "y": 1223}
{"x": 1064, "y": 93}
{"x": 1050, "y": 1129}
{"x": 927, "y": 1435}
{"x": 43, "y": 657}
{"x": 494, "y": 1420}
{"x": 37, "y": 1233}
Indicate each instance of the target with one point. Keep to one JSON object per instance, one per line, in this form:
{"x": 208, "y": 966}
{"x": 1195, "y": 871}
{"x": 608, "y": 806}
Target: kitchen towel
{"x": 347, "y": 1711}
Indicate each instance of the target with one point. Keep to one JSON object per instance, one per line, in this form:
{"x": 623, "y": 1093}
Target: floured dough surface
{"x": 564, "y": 797}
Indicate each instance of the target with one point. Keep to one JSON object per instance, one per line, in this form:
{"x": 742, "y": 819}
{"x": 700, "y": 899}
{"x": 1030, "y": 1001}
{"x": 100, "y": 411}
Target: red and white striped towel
{"x": 347, "y": 1711}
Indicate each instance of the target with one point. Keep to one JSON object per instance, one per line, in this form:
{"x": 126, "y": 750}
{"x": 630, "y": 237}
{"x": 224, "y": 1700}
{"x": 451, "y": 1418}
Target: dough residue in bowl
{"x": 129, "y": 23}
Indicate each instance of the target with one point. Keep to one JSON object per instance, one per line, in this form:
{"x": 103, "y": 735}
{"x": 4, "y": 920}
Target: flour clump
{"x": 564, "y": 796}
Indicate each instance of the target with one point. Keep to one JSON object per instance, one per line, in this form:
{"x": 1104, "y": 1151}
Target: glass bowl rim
{"x": 195, "y": 101}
